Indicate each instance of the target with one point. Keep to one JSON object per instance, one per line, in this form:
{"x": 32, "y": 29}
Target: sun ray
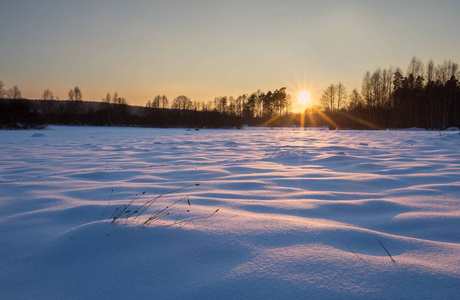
{"x": 271, "y": 120}
{"x": 311, "y": 117}
{"x": 328, "y": 120}
{"x": 364, "y": 122}
{"x": 302, "y": 119}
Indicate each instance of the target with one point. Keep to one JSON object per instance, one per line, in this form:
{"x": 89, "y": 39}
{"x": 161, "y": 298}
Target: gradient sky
{"x": 205, "y": 49}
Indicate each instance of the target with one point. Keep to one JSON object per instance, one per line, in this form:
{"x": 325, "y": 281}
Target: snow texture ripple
{"x": 302, "y": 214}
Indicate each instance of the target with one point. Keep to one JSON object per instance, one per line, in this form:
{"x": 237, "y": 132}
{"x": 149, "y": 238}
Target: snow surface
{"x": 300, "y": 214}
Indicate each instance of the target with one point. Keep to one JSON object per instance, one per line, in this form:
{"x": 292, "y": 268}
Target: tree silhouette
{"x": 341, "y": 96}
{"x": 416, "y": 67}
{"x": 71, "y": 95}
{"x": 2, "y": 91}
{"x": 427, "y": 96}
{"x": 47, "y": 95}
{"x": 14, "y": 93}
{"x": 156, "y": 102}
{"x": 356, "y": 101}
{"x": 182, "y": 102}
{"x": 75, "y": 94}
{"x": 164, "y": 102}
{"x": 107, "y": 98}
{"x": 328, "y": 98}
{"x": 78, "y": 94}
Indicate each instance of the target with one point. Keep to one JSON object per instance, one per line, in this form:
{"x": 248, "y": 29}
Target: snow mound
{"x": 37, "y": 134}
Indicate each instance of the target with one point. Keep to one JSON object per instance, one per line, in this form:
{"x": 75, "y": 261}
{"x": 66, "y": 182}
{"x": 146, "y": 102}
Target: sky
{"x": 204, "y": 49}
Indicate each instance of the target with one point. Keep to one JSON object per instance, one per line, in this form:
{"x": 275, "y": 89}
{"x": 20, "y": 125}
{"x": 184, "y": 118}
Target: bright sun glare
{"x": 304, "y": 97}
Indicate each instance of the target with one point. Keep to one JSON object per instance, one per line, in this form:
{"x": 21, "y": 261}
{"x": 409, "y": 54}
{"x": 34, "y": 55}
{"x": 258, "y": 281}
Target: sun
{"x": 304, "y": 98}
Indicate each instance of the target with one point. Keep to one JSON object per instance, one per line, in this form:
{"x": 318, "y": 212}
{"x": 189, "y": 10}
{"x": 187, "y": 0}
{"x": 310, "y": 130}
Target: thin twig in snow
{"x": 110, "y": 197}
{"x": 149, "y": 203}
{"x": 356, "y": 254}
{"x": 191, "y": 219}
{"x": 381, "y": 244}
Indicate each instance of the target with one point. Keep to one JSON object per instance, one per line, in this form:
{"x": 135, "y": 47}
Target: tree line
{"x": 256, "y": 105}
{"x": 112, "y": 110}
{"x": 426, "y": 96}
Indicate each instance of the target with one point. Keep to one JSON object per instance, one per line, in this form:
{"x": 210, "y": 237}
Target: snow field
{"x": 300, "y": 214}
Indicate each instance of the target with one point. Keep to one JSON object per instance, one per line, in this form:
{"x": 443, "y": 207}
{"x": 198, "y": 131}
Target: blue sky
{"x": 204, "y": 49}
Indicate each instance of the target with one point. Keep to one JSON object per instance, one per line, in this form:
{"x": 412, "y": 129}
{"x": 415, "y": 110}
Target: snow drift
{"x": 301, "y": 214}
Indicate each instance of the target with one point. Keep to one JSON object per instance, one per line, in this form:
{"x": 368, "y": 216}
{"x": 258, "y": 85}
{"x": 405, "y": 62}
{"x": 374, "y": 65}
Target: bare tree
{"x": 156, "y": 102}
{"x": 221, "y": 103}
{"x": 430, "y": 71}
{"x": 328, "y": 98}
{"x": 164, "y": 102}
{"x": 115, "y": 98}
{"x": 366, "y": 89}
{"x": 107, "y": 98}
{"x": 118, "y": 100}
{"x": 75, "y": 94}
{"x": 241, "y": 102}
{"x": 48, "y": 95}
{"x": 259, "y": 101}
{"x": 14, "y": 93}
{"x": 355, "y": 100}
{"x": 416, "y": 67}
{"x": 232, "y": 105}
{"x": 341, "y": 96}
{"x": 182, "y": 102}
{"x": 78, "y": 94}
{"x": 122, "y": 101}
{"x": 71, "y": 95}
{"x": 454, "y": 69}
{"x": 446, "y": 70}
{"x": 387, "y": 87}
{"x": 2, "y": 91}
{"x": 196, "y": 105}
{"x": 376, "y": 88}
